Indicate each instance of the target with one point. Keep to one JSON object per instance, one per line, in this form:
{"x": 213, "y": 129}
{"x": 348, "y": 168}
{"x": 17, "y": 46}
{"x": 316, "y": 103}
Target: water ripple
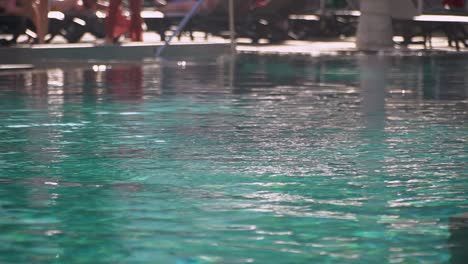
{"x": 323, "y": 160}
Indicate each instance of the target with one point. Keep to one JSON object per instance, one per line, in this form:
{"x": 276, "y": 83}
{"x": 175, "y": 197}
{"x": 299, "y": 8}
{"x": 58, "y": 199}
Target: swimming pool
{"x": 266, "y": 159}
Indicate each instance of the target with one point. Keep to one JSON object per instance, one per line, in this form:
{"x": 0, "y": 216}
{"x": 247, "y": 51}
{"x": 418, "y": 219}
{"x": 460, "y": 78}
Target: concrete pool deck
{"x": 213, "y": 47}
{"x": 318, "y": 47}
{"x": 35, "y": 54}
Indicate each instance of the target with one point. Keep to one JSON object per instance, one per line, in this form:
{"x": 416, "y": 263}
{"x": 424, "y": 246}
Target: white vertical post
{"x": 420, "y": 7}
{"x": 322, "y": 6}
{"x": 375, "y": 26}
{"x": 232, "y": 29}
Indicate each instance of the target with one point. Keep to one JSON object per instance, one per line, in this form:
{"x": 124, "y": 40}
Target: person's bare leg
{"x": 111, "y": 21}
{"x": 37, "y": 12}
{"x": 29, "y": 11}
{"x": 136, "y": 31}
{"x": 42, "y": 27}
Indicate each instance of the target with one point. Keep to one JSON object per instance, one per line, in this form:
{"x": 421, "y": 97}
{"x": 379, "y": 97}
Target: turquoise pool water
{"x": 268, "y": 159}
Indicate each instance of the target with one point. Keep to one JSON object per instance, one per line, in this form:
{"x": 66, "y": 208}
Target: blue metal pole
{"x": 180, "y": 27}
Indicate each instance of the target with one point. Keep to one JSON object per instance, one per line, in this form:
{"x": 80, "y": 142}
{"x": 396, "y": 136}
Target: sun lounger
{"x": 14, "y": 26}
{"x": 409, "y": 24}
{"x": 254, "y": 23}
{"x": 73, "y": 25}
{"x": 317, "y": 19}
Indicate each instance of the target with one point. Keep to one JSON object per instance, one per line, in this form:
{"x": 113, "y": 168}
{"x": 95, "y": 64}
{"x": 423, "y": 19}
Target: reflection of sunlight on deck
{"x": 302, "y": 47}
